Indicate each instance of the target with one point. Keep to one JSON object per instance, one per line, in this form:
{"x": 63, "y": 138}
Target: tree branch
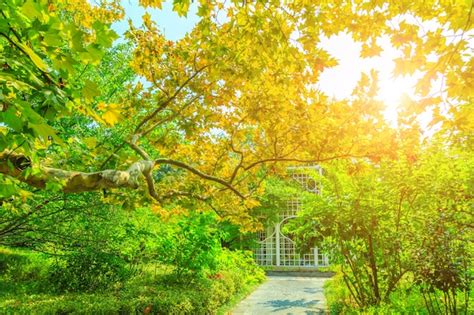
{"x": 147, "y": 173}
{"x": 136, "y": 148}
{"x": 150, "y": 129}
{"x": 14, "y": 165}
{"x": 168, "y": 100}
{"x": 200, "y": 174}
{"x": 319, "y": 160}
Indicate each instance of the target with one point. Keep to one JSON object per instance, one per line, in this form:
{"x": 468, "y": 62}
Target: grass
{"x": 25, "y": 289}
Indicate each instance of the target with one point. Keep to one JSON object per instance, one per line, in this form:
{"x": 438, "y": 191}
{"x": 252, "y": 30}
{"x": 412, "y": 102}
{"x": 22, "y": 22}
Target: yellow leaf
{"x": 151, "y": 3}
{"x": 90, "y": 142}
{"x": 101, "y": 106}
{"x": 147, "y": 20}
{"x": 251, "y": 203}
{"x": 111, "y": 114}
{"x": 370, "y": 51}
{"x": 24, "y": 194}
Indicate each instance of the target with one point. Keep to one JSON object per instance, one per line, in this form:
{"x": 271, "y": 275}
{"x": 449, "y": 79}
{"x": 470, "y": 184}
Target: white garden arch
{"x": 276, "y": 249}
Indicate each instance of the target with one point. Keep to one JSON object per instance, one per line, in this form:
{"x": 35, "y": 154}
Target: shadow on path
{"x": 285, "y": 295}
{"x": 313, "y": 290}
{"x": 280, "y": 305}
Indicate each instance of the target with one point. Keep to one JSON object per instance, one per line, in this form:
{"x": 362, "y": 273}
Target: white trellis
{"x": 277, "y": 249}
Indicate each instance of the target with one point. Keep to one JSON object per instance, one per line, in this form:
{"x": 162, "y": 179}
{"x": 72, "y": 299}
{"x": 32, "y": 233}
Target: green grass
{"x": 26, "y": 289}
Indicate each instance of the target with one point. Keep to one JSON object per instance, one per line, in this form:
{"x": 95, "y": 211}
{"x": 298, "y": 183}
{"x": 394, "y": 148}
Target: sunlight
{"x": 391, "y": 92}
{"x": 340, "y": 81}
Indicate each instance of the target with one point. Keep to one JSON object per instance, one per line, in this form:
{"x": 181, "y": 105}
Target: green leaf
{"x": 4, "y": 27}
{"x": 30, "y": 10}
{"x": 42, "y": 130}
{"x": 92, "y": 55}
{"x": 12, "y": 81}
{"x": 34, "y": 57}
{"x": 104, "y": 35}
{"x": 52, "y": 39}
{"x": 10, "y": 118}
{"x": 77, "y": 42}
{"x": 7, "y": 190}
{"x": 54, "y": 186}
{"x": 66, "y": 63}
{"x": 90, "y": 90}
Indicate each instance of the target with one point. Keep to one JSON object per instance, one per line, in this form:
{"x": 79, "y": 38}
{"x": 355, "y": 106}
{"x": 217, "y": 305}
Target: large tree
{"x": 218, "y": 109}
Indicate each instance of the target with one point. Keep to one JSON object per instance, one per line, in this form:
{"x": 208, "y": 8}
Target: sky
{"x": 172, "y": 26}
{"x": 337, "y": 82}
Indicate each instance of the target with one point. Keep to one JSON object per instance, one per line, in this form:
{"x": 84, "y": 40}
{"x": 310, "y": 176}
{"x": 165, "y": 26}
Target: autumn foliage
{"x": 201, "y": 123}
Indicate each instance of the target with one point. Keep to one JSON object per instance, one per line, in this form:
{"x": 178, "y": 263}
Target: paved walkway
{"x": 285, "y": 295}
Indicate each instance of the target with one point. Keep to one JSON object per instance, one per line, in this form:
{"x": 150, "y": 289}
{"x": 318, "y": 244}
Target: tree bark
{"x": 16, "y": 165}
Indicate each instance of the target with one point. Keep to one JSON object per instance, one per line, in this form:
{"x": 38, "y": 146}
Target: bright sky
{"x": 172, "y": 26}
{"x": 337, "y": 82}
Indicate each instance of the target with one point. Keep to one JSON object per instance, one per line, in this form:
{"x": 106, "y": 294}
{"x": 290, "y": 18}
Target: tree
{"x": 215, "y": 111}
{"x": 36, "y": 223}
{"x": 395, "y": 222}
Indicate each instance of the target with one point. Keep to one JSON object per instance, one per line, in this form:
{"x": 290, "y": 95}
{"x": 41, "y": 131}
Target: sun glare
{"x": 391, "y": 92}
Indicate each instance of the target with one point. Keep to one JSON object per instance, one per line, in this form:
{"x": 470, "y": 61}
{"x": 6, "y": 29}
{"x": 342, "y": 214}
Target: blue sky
{"x": 172, "y": 26}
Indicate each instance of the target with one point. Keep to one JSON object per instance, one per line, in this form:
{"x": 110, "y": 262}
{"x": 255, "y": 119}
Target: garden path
{"x": 285, "y": 295}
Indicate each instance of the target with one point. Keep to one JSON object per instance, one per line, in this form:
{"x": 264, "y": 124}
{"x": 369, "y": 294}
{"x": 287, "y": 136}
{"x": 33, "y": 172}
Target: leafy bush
{"x": 406, "y": 299}
{"x": 19, "y": 265}
{"x": 153, "y": 291}
{"x": 87, "y": 270}
{"x": 237, "y": 273}
{"x": 21, "y": 271}
{"x": 192, "y": 245}
{"x": 242, "y": 263}
{"x": 443, "y": 268}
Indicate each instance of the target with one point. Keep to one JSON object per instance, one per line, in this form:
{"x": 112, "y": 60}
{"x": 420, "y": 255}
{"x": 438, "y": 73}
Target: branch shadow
{"x": 281, "y": 305}
{"x": 313, "y": 290}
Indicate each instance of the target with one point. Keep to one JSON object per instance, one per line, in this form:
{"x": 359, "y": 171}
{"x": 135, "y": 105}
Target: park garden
{"x": 137, "y": 168}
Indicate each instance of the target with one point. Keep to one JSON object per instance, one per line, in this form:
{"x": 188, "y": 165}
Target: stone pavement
{"x": 285, "y": 295}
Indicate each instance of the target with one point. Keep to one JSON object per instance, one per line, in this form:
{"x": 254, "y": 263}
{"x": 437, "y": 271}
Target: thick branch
{"x": 14, "y": 165}
{"x": 147, "y": 173}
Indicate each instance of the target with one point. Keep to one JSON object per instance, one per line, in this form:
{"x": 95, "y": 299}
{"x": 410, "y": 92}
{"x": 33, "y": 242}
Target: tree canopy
{"x": 206, "y": 118}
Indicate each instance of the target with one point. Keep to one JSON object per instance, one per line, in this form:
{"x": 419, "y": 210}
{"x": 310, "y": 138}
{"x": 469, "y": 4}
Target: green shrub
{"x": 22, "y": 271}
{"x": 242, "y": 266}
{"x": 406, "y": 299}
{"x": 87, "y": 270}
{"x": 20, "y": 265}
{"x": 156, "y": 289}
{"x": 192, "y": 246}
{"x": 337, "y": 295}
